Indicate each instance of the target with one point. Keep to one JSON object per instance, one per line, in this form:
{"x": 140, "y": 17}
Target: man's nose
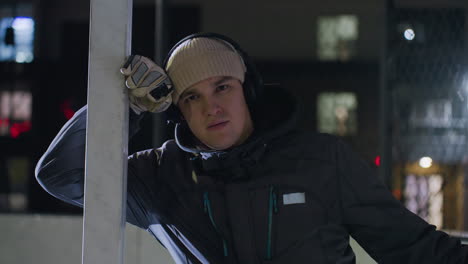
{"x": 212, "y": 106}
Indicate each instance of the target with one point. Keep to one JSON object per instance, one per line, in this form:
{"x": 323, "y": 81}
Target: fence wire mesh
{"x": 428, "y": 86}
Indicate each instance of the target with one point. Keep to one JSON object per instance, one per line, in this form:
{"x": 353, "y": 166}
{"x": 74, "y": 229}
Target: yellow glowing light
{"x": 425, "y": 162}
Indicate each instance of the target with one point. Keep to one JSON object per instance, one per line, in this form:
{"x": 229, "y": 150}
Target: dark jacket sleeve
{"x": 60, "y": 170}
{"x": 382, "y": 225}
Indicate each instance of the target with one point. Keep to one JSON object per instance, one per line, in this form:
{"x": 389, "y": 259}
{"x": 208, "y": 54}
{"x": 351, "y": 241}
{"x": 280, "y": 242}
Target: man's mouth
{"x": 217, "y": 125}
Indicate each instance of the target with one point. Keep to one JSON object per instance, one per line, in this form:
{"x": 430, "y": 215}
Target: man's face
{"x": 216, "y": 112}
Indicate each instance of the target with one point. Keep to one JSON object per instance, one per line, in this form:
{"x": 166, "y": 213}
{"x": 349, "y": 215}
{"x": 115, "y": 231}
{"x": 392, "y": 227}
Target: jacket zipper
{"x": 272, "y": 209}
{"x": 207, "y": 205}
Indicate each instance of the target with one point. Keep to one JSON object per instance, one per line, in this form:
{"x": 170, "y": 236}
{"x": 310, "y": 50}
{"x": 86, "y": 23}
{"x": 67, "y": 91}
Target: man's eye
{"x": 190, "y": 98}
{"x": 223, "y": 87}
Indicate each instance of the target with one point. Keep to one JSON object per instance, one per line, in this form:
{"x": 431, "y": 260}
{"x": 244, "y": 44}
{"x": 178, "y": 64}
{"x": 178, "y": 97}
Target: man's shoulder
{"x": 307, "y": 144}
{"x": 168, "y": 148}
{"x": 309, "y": 138}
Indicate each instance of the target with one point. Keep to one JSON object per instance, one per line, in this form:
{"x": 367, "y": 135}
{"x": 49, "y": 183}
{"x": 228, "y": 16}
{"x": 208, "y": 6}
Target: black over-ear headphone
{"x": 253, "y": 83}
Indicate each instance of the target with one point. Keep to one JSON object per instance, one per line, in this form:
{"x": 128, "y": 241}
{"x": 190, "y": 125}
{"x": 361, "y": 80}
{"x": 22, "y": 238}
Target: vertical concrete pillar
{"x": 107, "y": 133}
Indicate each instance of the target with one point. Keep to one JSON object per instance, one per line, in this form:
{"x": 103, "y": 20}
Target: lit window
{"x": 337, "y": 37}
{"x": 17, "y": 39}
{"x": 431, "y": 113}
{"x": 424, "y": 197}
{"x": 337, "y": 113}
{"x": 15, "y": 113}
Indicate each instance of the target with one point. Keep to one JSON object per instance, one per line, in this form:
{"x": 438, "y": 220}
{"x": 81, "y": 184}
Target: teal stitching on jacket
{"x": 271, "y": 207}
{"x": 207, "y": 205}
{"x": 275, "y": 201}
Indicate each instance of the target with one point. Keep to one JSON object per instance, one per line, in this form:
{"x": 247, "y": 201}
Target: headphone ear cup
{"x": 253, "y": 79}
{"x": 173, "y": 114}
{"x": 249, "y": 90}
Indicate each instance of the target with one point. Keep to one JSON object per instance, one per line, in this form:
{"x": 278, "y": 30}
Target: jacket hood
{"x": 274, "y": 115}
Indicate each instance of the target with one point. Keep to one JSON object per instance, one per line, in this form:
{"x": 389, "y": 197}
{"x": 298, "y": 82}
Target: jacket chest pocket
{"x": 286, "y": 219}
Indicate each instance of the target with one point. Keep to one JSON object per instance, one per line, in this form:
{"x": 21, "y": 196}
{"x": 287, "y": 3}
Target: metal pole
{"x": 385, "y": 103}
{"x": 107, "y": 133}
{"x": 159, "y": 44}
{"x": 159, "y": 55}
{"x": 465, "y": 159}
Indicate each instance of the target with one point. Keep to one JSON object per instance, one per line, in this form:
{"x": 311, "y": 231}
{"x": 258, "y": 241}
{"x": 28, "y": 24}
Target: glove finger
{"x": 137, "y": 69}
{"x": 160, "y": 105}
{"x": 142, "y": 103}
{"x": 152, "y": 79}
{"x": 155, "y": 91}
{"x": 139, "y": 72}
{"x": 140, "y": 91}
{"x": 135, "y": 75}
{"x": 130, "y": 84}
{"x": 128, "y": 62}
{"x": 147, "y": 103}
{"x": 129, "y": 65}
{"x": 153, "y": 73}
{"x": 164, "y": 89}
{"x": 153, "y": 100}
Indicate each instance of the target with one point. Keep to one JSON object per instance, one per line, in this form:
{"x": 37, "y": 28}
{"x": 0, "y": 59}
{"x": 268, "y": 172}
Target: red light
{"x": 66, "y": 109}
{"x": 377, "y": 161}
{"x": 14, "y": 131}
{"x": 18, "y": 128}
{"x": 68, "y": 113}
{"x": 397, "y": 194}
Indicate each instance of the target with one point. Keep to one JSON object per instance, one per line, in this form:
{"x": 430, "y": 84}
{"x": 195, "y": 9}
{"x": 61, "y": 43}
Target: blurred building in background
{"x": 386, "y": 76}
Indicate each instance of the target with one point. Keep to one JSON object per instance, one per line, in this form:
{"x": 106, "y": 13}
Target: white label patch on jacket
{"x": 293, "y": 198}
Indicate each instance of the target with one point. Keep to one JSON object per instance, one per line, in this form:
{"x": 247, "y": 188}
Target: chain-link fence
{"x": 427, "y": 82}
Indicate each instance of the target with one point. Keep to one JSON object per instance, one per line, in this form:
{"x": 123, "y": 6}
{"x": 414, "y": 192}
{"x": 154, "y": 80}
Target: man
{"x": 241, "y": 183}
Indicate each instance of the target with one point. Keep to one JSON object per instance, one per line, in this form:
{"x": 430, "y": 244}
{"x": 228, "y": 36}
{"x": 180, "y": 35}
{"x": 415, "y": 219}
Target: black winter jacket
{"x": 284, "y": 196}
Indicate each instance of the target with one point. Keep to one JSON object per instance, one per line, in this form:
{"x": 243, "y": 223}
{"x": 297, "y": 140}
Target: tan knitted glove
{"x": 150, "y": 89}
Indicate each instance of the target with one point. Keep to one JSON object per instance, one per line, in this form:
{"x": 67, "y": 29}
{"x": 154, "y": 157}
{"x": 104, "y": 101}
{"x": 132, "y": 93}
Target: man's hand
{"x": 150, "y": 88}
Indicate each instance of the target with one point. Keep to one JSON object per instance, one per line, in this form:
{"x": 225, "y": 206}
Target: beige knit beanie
{"x": 200, "y": 58}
